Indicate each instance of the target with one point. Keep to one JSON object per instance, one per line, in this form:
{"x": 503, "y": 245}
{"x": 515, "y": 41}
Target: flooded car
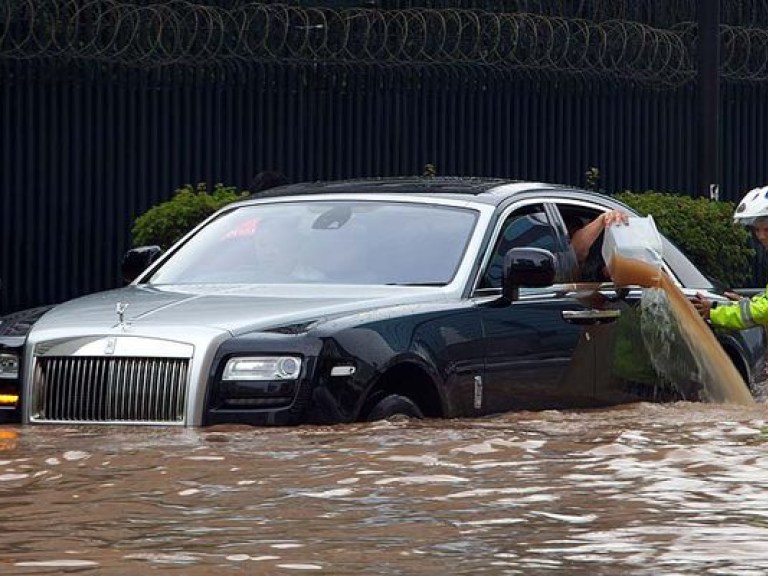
{"x": 353, "y": 301}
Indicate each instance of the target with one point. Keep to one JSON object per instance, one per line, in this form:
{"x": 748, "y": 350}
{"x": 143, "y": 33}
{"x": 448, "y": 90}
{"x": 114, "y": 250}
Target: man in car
{"x": 278, "y": 252}
{"x": 742, "y": 312}
{"x": 587, "y": 248}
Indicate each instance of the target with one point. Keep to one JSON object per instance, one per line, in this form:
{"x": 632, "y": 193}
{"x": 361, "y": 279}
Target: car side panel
{"x": 626, "y": 371}
{"x": 445, "y": 345}
{"x": 750, "y": 344}
{"x": 454, "y": 344}
{"x": 534, "y": 358}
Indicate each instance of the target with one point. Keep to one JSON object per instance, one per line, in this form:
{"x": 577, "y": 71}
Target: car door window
{"x": 575, "y": 217}
{"x": 676, "y": 264}
{"x": 527, "y": 227}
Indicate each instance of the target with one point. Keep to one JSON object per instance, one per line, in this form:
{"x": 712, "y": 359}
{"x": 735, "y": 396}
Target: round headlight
{"x": 288, "y": 367}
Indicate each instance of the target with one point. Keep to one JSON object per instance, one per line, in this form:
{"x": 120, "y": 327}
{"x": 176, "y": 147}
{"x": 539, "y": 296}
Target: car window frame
{"x": 458, "y": 275}
{"x": 489, "y": 250}
{"x": 675, "y": 263}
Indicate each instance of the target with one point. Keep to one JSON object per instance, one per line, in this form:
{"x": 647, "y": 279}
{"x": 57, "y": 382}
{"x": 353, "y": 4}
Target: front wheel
{"x": 393, "y": 405}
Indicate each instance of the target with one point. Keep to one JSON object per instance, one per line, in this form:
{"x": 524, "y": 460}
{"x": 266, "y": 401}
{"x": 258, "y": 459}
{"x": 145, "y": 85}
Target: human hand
{"x": 613, "y": 217}
{"x": 732, "y": 295}
{"x": 702, "y": 304}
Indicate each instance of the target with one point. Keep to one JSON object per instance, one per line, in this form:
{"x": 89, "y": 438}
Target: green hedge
{"x": 165, "y": 223}
{"x": 701, "y": 228}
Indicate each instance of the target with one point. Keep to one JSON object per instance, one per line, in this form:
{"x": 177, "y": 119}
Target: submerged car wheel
{"x": 391, "y": 405}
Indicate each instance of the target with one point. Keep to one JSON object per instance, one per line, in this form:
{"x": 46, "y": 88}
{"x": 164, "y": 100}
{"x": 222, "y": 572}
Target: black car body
{"x": 441, "y": 297}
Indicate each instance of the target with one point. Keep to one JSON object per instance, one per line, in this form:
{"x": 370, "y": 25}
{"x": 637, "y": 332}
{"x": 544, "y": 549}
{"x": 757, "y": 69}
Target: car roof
{"x": 486, "y": 189}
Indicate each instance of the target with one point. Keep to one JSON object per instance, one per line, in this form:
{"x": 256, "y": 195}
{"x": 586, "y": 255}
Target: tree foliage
{"x": 167, "y": 222}
{"x": 701, "y": 228}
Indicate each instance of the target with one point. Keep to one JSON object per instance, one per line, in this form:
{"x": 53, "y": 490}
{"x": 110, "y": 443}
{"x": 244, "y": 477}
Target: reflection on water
{"x": 646, "y": 489}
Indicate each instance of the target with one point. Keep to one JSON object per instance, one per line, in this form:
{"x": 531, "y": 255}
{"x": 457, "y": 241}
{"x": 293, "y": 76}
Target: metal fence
{"x": 104, "y": 113}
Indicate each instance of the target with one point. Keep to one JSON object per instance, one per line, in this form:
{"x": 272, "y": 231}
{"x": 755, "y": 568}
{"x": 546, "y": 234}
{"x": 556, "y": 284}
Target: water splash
{"x": 668, "y": 350}
{"x": 684, "y": 351}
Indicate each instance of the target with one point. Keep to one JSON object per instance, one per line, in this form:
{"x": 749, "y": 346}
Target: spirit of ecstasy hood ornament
{"x": 120, "y": 308}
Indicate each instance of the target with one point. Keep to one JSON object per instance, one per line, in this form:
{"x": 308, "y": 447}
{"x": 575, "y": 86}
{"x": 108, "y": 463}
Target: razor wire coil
{"x": 188, "y": 33}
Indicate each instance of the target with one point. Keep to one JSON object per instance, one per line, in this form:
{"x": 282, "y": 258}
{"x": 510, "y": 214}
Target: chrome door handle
{"x": 590, "y": 316}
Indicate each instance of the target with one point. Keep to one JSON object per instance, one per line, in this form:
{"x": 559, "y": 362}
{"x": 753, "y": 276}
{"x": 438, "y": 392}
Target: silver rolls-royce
{"x": 356, "y": 300}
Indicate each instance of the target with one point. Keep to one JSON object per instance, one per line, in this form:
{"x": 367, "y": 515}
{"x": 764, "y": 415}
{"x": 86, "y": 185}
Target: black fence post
{"x": 708, "y": 15}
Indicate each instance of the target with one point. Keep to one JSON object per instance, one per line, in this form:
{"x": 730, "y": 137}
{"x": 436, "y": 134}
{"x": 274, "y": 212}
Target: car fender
{"x": 18, "y": 324}
{"x": 744, "y": 352}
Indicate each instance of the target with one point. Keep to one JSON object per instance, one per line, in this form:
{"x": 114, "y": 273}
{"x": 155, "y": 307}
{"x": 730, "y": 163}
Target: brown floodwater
{"x": 642, "y": 489}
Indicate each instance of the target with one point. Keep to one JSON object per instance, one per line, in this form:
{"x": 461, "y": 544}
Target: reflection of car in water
{"x": 440, "y": 297}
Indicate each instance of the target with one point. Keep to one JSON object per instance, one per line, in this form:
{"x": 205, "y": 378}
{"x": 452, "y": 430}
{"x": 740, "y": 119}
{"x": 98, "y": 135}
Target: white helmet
{"x": 754, "y": 205}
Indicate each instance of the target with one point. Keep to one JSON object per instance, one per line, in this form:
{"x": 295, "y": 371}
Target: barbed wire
{"x": 744, "y": 53}
{"x": 655, "y": 13}
{"x": 183, "y": 32}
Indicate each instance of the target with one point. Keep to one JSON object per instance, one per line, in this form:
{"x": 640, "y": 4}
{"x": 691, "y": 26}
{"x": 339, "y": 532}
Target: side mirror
{"x": 137, "y": 260}
{"x": 529, "y": 268}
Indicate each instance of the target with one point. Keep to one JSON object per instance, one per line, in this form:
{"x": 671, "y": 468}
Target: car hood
{"x": 235, "y": 309}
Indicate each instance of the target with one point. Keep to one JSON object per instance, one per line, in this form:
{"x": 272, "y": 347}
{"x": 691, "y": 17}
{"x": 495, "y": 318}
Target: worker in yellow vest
{"x": 741, "y": 312}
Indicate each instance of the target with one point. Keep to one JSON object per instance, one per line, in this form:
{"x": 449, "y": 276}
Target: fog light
{"x": 9, "y": 399}
{"x": 9, "y": 365}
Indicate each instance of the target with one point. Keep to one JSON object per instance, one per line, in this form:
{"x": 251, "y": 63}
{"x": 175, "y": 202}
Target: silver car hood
{"x": 234, "y": 309}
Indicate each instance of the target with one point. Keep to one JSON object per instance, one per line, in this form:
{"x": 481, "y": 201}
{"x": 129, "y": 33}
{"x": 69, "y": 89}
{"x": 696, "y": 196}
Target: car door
{"x": 624, "y": 370}
{"x": 539, "y": 351}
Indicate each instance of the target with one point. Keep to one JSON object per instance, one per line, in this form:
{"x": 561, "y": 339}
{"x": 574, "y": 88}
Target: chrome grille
{"x": 98, "y": 389}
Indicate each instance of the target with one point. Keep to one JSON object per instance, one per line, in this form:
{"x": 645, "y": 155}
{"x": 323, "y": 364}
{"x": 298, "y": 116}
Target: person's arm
{"x": 743, "y": 313}
{"x": 584, "y": 237}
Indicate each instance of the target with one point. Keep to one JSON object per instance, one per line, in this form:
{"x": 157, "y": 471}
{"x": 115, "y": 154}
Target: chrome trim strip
{"x": 342, "y": 370}
{"x": 114, "y": 346}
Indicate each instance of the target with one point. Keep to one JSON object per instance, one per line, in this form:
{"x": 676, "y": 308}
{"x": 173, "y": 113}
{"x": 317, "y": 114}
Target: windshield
{"x": 325, "y": 242}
